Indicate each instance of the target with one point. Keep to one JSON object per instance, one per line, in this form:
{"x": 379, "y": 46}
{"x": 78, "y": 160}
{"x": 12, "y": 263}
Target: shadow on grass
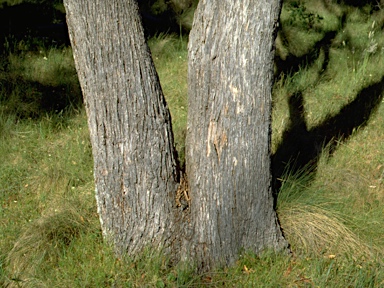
{"x": 301, "y": 147}
{"x": 32, "y": 100}
{"x": 292, "y": 63}
{"x": 25, "y": 28}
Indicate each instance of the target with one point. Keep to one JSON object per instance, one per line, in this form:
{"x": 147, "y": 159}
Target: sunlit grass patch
{"x": 325, "y": 228}
{"x": 338, "y": 210}
{"x": 353, "y": 177}
{"x": 316, "y": 230}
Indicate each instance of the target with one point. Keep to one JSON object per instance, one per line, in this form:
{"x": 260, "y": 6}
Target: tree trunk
{"x": 135, "y": 167}
{"x": 229, "y": 125}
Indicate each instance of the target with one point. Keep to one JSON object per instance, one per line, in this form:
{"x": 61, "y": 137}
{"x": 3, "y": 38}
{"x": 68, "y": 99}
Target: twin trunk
{"x": 228, "y": 136}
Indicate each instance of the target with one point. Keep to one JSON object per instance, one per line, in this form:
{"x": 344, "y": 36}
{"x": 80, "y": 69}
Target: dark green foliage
{"x": 34, "y": 22}
{"x": 160, "y": 16}
{"x": 299, "y": 15}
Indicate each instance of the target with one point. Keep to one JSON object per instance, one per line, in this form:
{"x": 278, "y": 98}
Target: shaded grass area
{"x": 34, "y": 84}
{"x": 328, "y": 126}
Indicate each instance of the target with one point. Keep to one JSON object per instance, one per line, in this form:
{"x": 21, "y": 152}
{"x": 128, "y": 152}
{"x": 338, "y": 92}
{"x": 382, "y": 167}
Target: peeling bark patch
{"x": 217, "y": 139}
{"x": 219, "y": 142}
{"x": 211, "y": 131}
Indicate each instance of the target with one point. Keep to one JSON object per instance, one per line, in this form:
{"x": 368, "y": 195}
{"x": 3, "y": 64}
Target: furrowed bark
{"x": 231, "y": 52}
{"x": 135, "y": 167}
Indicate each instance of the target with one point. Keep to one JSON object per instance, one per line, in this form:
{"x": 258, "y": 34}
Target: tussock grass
{"x": 45, "y": 239}
{"x": 313, "y": 222}
{"x": 317, "y": 230}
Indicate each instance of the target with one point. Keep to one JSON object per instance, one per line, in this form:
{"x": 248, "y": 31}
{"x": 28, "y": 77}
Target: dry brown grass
{"x": 314, "y": 230}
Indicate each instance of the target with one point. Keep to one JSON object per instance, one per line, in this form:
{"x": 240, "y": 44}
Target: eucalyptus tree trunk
{"x": 228, "y": 141}
{"x": 231, "y": 52}
{"x": 135, "y": 168}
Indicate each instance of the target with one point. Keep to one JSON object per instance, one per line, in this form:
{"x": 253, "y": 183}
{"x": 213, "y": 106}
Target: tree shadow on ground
{"x": 27, "y": 28}
{"x": 31, "y": 99}
{"x": 301, "y": 147}
{"x": 292, "y": 64}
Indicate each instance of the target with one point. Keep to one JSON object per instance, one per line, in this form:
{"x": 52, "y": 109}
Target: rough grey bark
{"x": 228, "y": 138}
{"x": 134, "y": 166}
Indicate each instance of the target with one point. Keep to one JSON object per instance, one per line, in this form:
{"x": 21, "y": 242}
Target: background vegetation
{"x": 328, "y": 153}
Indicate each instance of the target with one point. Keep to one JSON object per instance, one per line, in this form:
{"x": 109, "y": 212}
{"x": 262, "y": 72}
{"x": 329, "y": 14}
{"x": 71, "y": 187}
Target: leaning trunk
{"x": 229, "y": 126}
{"x": 134, "y": 166}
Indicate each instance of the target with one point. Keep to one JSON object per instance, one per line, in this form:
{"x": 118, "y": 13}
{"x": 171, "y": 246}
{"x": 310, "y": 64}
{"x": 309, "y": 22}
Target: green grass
{"x": 332, "y": 215}
{"x": 38, "y": 82}
{"x": 170, "y": 57}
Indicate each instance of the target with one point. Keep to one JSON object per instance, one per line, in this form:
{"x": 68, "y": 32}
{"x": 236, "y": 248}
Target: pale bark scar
{"x": 234, "y": 90}
{"x": 235, "y": 93}
{"x": 218, "y": 138}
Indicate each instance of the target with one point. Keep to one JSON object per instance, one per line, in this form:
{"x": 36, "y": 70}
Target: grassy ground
{"x": 327, "y": 127}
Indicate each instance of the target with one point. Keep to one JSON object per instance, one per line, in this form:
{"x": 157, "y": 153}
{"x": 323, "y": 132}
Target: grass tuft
{"x": 314, "y": 220}
{"x": 313, "y": 230}
{"x": 45, "y": 240}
